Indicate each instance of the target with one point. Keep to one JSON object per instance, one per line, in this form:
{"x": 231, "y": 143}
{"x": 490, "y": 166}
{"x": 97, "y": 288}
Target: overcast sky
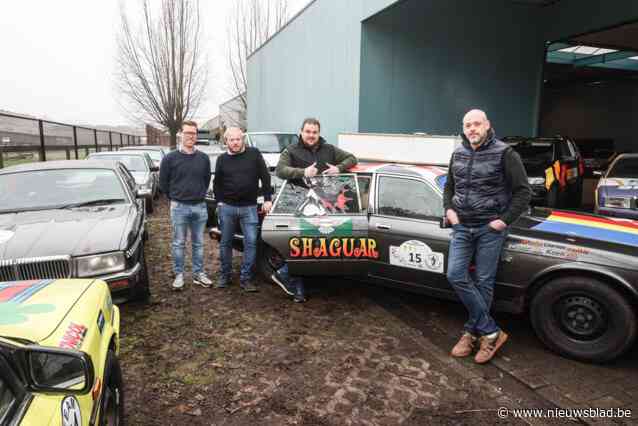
{"x": 58, "y": 58}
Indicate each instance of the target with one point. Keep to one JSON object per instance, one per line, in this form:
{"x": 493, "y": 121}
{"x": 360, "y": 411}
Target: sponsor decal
{"x": 325, "y": 226}
{"x": 13, "y": 310}
{"x": 100, "y": 322}
{"x": 333, "y": 248}
{"x": 71, "y": 413}
{"x": 73, "y": 337}
{"x": 417, "y": 255}
{"x": 547, "y": 248}
{"x": 5, "y": 235}
{"x": 595, "y": 228}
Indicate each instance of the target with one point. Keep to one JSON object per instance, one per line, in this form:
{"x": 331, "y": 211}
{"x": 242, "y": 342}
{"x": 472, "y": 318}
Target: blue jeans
{"x": 184, "y": 217}
{"x": 484, "y": 244}
{"x": 293, "y": 282}
{"x": 228, "y": 216}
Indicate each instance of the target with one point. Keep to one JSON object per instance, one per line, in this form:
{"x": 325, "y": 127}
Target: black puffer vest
{"x": 302, "y": 157}
{"x": 481, "y": 193}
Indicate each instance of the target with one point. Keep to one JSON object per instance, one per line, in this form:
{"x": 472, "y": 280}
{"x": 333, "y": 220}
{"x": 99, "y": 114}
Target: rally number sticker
{"x": 417, "y": 255}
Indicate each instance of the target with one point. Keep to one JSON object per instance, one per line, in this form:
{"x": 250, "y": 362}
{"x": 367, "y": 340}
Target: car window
{"x": 7, "y": 398}
{"x": 134, "y": 163}
{"x": 408, "y": 198}
{"x": 625, "y": 168}
{"x": 535, "y": 152}
{"x": 364, "y": 190}
{"x": 273, "y": 142}
{"x": 319, "y": 196}
{"x": 42, "y": 189}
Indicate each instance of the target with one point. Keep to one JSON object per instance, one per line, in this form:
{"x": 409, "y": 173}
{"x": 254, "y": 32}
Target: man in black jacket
{"x": 312, "y": 155}
{"x": 236, "y": 186}
{"x": 184, "y": 178}
{"x": 485, "y": 191}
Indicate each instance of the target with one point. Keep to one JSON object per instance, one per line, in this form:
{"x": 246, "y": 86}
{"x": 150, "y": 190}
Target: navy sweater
{"x": 185, "y": 177}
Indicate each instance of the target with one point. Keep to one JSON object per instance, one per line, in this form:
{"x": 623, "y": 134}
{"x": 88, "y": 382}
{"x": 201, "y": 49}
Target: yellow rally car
{"x": 59, "y": 341}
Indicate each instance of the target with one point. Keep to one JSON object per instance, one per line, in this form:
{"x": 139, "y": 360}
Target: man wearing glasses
{"x": 184, "y": 177}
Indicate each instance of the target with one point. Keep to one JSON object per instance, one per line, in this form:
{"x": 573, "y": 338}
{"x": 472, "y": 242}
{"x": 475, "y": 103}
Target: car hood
{"x": 72, "y": 232}
{"x": 599, "y": 230}
{"x": 33, "y": 310}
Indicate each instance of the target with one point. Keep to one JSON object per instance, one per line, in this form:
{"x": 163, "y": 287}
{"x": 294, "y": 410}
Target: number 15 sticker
{"x": 416, "y": 255}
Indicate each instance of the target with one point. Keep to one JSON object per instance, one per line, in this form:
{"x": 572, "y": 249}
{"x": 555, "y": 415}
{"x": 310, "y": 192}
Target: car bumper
{"x": 614, "y": 212}
{"x": 123, "y": 284}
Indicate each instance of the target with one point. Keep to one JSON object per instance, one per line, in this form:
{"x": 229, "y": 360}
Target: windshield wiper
{"x": 93, "y": 203}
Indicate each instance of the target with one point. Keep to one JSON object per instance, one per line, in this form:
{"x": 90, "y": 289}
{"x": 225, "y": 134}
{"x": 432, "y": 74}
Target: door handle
{"x": 281, "y": 225}
{"x": 383, "y": 226}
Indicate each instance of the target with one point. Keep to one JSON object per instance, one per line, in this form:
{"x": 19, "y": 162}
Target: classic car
{"x": 73, "y": 219}
{"x": 156, "y": 152}
{"x": 59, "y": 341}
{"x": 617, "y": 191}
{"x": 141, "y": 166}
{"x": 555, "y": 169}
{"x": 576, "y": 275}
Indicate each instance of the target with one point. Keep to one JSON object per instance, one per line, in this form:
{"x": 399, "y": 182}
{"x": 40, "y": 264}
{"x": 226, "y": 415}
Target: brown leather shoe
{"x": 488, "y": 347}
{"x": 465, "y": 346}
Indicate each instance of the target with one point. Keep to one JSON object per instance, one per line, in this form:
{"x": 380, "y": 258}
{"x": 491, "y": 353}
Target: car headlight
{"x": 617, "y": 202}
{"x": 100, "y": 264}
{"x": 536, "y": 180}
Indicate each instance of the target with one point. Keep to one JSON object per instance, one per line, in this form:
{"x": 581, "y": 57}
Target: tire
{"x": 268, "y": 261}
{"x": 149, "y": 206}
{"x": 583, "y": 318}
{"x": 142, "y": 291}
{"x": 112, "y": 401}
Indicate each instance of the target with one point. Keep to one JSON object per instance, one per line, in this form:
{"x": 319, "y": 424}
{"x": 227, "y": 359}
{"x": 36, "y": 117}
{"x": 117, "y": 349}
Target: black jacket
{"x": 295, "y": 158}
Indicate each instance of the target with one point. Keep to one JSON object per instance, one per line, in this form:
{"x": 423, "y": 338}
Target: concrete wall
{"x": 586, "y": 112}
{"x": 425, "y": 63}
{"x": 311, "y": 68}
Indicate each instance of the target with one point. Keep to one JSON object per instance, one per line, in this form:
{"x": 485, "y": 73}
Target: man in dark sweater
{"x": 184, "y": 178}
{"x": 236, "y": 186}
{"x": 485, "y": 191}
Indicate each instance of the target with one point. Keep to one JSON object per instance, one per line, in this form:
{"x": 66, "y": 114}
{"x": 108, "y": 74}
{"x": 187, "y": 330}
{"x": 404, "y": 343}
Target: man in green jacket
{"x": 308, "y": 158}
{"x": 313, "y": 155}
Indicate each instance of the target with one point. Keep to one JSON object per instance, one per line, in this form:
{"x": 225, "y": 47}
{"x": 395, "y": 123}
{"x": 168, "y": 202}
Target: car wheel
{"x": 270, "y": 260}
{"x": 583, "y": 318}
{"x": 143, "y": 292}
{"x": 149, "y": 206}
{"x": 112, "y": 404}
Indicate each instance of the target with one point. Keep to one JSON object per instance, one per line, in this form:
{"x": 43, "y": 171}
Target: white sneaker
{"x": 178, "y": 284}
{"x": 202, "y": 280}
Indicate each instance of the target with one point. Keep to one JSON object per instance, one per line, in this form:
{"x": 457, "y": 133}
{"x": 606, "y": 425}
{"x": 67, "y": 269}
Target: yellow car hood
{"x": 33, "y": 310}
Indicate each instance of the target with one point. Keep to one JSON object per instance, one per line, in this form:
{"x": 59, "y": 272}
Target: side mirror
{"x": 58, "y": 370}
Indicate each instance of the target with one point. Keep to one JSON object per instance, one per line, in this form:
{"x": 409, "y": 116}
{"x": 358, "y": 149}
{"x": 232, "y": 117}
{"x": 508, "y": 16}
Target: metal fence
{"x": 25, "y": 140}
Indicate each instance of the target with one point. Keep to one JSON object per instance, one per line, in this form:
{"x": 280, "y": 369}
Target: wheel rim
{"x": 581, "y": 317}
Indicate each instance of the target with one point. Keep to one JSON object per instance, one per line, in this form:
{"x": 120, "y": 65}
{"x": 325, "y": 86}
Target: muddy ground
{"x": 222, "y": 357}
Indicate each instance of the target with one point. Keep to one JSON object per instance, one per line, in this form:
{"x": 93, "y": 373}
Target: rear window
{"x": 534, "y": 151}
{"x": 625, "y": 168}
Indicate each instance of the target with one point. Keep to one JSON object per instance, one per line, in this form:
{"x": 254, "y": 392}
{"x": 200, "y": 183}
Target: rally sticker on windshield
{"x": 416, "y": 255}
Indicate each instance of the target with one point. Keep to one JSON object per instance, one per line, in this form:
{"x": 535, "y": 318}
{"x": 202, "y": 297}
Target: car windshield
{"x": 273, "y": 142}
{"x": 42, "y": 189}
{"x": 625, "y": 168}
{"x": 534, "y": 152}
{"x": 319, "y": 196}
{"x": 155, "y": 155}
{"x": 134, "y": 163}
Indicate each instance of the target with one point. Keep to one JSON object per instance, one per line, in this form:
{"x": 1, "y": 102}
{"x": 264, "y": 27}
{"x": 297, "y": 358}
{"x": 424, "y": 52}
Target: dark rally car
{"x": 575, "y": 274}
{"x": 73, "y": 219}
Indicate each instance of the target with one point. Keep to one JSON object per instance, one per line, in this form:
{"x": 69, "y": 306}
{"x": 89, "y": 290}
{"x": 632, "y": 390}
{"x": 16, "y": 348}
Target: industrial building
{"x": 538, "y": 67}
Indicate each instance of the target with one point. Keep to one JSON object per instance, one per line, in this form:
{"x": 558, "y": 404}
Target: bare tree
{"x": 252, "y": 23}
{"x": 162, "y": 71}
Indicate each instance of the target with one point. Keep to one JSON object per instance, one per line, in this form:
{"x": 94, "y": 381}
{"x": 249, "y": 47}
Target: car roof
{"x": 58, "y": 165}
{"x": 627, "y": 155}
{"x": 428, "y": 172}
{"x": 533, "y": 139}
{"x": 144, "y": 147}
{"x": 107, "y": 153}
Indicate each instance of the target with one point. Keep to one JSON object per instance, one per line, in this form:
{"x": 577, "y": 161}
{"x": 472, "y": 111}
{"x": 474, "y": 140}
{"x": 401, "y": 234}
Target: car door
{"x": 405, "y": 222}
{"x": 319, "y": 227}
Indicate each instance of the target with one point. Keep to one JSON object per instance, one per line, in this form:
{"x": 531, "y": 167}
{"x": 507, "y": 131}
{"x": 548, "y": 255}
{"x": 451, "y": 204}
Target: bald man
{"x": 486, "y": 190}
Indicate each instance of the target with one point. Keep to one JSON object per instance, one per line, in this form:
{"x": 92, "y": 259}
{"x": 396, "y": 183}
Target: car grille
{"x": 36, "y": 268}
